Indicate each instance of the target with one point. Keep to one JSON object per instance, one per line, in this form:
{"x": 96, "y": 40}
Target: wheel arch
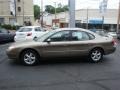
{"x": 100, "y": 48}
{"x": 23, "y": 50}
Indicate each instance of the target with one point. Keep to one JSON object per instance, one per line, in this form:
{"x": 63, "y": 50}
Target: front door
{"x": 57, "y": 47}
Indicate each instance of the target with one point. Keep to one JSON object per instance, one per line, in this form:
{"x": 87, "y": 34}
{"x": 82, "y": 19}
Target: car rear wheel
{"x": 96, "y": 55}
{"x": 29, "y": 58}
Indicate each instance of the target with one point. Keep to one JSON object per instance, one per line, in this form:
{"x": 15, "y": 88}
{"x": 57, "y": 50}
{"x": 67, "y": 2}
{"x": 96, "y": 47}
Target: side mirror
{"x": 48, "y": 40}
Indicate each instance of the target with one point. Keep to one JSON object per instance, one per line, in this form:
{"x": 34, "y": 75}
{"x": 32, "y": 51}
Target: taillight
{"x": 114, "y": 42}
{"x": 29, "y": 34}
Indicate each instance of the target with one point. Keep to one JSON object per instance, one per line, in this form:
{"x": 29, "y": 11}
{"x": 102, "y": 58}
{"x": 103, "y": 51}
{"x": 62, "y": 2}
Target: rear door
{"x": 80, "y": 43}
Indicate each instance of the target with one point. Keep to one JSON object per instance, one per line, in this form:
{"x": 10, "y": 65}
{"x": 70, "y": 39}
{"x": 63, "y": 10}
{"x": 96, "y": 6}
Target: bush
{"x": 9, "y": 27}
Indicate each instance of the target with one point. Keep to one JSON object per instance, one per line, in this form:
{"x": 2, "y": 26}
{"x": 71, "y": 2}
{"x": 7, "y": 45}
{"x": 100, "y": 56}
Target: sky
{"x": 81, "y": 4}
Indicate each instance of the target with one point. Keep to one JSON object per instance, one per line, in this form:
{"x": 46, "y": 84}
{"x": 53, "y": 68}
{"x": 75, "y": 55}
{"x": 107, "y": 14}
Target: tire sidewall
{"x": 28, "y": 51}
{"x": 90, "y": 54}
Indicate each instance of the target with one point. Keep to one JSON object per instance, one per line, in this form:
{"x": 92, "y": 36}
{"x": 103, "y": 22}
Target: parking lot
{"x": 61, "y": 74}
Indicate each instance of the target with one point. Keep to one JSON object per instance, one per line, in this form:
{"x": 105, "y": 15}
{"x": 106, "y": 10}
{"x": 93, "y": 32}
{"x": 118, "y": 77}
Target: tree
{"x": 60, "y": 8}
{"x": 66, "y": 8}
{"x": 50, "y": 9}
{"x": 36, "y": 12}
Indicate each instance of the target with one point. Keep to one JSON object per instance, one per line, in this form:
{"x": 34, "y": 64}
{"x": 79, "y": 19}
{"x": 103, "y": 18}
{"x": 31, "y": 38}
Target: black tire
{"x": 29, "y": 58}
{"x": 96, "y": 55}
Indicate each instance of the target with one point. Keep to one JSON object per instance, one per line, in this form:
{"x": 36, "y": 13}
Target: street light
{"x": 41, "y": 13}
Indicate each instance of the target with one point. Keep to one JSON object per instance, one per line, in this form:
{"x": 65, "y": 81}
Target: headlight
{"x": 11, "y": 47}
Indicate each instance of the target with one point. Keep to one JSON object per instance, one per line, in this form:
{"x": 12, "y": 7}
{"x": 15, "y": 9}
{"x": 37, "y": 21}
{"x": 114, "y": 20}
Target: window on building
{"x": 1, "y": 20}
{"x": 19, "y": 0}
{"x": 19, "y": 9}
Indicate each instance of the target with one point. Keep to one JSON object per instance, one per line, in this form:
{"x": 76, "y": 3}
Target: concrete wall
{"x": 26, "y": 8}
{"x": 110, "y": 16}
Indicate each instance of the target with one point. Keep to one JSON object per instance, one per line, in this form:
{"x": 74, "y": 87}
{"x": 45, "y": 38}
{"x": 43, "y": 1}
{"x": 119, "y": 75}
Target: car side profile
{"x": 63, "y": 43}
{"x": 28, "y": 33}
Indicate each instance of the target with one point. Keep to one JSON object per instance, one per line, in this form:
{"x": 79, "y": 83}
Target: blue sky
{"x": 81, "y": 4}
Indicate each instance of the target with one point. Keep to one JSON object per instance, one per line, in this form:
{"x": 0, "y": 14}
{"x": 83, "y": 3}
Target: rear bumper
{"x": 16, "y": 39}
{"x": 110, "y": 51}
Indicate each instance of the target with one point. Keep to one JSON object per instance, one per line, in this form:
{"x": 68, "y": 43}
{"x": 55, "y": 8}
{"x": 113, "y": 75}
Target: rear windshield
{"x": 25, "y": 30}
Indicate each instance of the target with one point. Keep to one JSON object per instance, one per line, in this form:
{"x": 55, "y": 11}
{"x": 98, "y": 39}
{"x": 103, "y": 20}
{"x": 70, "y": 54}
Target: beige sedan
{"x": 62, "y": 43}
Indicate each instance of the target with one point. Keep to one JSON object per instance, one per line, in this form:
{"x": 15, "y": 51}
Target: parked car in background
{"x": 99, "y": 31}
{"x": 118, "y": 35}
{"x": 113, "y": 34}
{"x": 29, "y": 33}
{"x": 6, "y": 36}
{"x": 64, "y": 42}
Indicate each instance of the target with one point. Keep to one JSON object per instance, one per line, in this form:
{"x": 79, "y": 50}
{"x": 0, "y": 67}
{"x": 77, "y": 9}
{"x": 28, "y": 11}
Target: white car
{"x": 28, "y": 33}
{"x": 113, "y": 34}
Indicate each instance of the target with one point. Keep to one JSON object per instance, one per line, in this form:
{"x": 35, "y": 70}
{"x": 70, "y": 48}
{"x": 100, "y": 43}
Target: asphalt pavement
{"x": 61, "y": 74}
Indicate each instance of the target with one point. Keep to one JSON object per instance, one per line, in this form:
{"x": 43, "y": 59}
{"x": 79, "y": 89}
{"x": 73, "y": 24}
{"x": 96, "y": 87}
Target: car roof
{"x": 79, "y": 29}
{"x": 69, "y": 29}
{"x": 30, "y": 26}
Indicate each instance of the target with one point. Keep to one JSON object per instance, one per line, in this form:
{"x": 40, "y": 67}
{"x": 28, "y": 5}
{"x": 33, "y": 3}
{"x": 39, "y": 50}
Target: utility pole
{"x": 41, "y": 13}
{"x": 118, "y": 21}
{"x": 23, "y": 13}
{"x": 87, "y": 20}
{"x": 55, "y": 14}
{"x": 15, "y": 11}
{"x": 102, "y": 22}
{"x": 72, "y": 13}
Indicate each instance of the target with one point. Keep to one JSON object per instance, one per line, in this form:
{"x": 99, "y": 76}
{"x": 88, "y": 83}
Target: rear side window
{"x": 80, "y": 36}
{"x": 38, "y": 29}
{"x": 25, "y": 30}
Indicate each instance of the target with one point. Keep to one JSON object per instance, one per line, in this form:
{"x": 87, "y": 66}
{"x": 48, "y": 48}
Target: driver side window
{"x": 60, "y": 36}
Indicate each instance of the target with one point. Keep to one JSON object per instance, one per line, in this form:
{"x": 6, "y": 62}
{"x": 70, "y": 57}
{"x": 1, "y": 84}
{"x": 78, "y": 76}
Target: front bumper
{"x": 11, "y": 54}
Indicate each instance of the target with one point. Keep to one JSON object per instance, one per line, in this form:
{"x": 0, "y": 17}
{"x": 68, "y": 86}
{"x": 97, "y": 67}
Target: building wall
{"x": 4, "y": 10}
{"x": 25, "y": 14}
{"x": 81, "y": 15}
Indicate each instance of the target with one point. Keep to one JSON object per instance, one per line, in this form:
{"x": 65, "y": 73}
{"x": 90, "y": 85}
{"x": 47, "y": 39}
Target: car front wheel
{"x": 96, "y": 55}
{"x": 29, "y": 58}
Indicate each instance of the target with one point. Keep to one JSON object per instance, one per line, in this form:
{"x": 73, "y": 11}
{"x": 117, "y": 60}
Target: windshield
{"x": 45, "y": 36}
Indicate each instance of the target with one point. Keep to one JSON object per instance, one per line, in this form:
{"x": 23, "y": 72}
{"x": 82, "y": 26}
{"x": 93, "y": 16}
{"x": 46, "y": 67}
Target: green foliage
{"x": 9, "y": 27}
{"x": 60, "y": 8}
{"x": 66, "y": 8}
{"x": 36, "y": 12}
{"x": 50, "y": 9}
